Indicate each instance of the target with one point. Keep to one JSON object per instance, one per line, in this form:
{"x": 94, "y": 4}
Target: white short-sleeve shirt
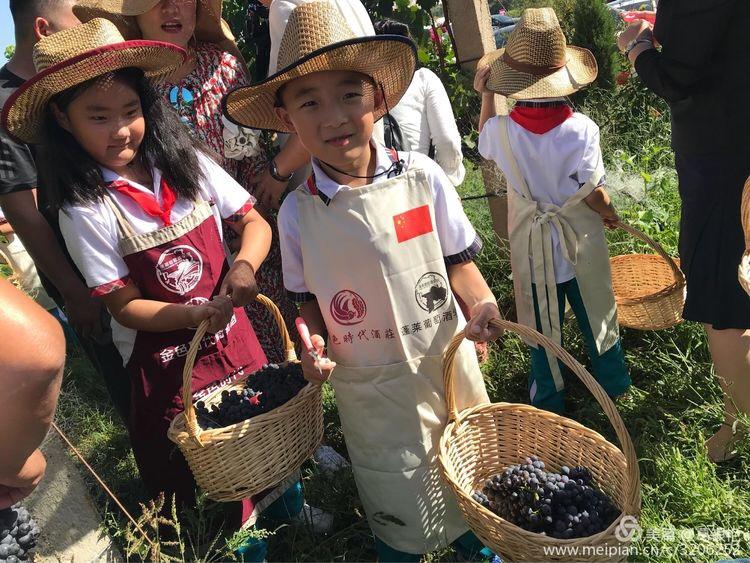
{"x": 457, "y": 236}
{"x": 554, "y": 164}
{"x": 91, "y": 232}
{"x": 425, "y": 116}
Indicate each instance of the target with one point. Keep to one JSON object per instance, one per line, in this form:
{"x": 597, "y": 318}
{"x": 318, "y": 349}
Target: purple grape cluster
{"x": 562, "y": 505}
{"x": 18, "y": 534}
{"x": 268, "y": 388}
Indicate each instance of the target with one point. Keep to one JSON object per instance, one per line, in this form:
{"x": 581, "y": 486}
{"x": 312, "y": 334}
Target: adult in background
{"x": 32, "y": 354}
{"x": 213, "y": 68}
{"x": 425, "y": 116}
{"x": 37, "y": 226}
{"x": 702, "y": 72}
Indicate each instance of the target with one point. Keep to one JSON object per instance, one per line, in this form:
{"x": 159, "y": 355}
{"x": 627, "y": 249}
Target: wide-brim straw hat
{"x": 536, "y": 61}
{"x": 209, "y": 25}
{"x": 73, "y": 56}
{"x": 317, "y": 38}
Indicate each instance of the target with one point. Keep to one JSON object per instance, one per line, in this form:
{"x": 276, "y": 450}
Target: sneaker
{"x": 329, "y": 460}
{"x": 317, "y": 519}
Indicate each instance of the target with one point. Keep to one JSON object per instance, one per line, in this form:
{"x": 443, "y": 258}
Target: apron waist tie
{"x": 542, "y": 255}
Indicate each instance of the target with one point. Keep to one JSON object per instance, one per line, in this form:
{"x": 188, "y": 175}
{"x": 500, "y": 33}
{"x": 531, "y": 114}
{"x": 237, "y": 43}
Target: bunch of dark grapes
{"x": 562, "y": 505}
{"x": 268, "y": 388}
{"x": 18, "y": 534}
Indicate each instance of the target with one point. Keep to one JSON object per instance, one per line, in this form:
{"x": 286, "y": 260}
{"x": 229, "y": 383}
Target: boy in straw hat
{"x": 373, "y": 246}
{"x": 557, "y": 202}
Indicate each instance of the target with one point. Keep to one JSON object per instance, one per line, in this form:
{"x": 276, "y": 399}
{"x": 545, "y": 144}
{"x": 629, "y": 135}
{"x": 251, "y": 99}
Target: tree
{"x": 9, "y": 50}
{"x": 594, "y": 28}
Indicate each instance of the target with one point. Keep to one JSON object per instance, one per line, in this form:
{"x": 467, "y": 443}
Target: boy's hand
{"x": 239, "y": 284}
{"x": 478, "y": 328}
{"x": 218, "y": 312}
{"x": 310, "y": 370}
{"x": 480, "y": 80}
{"x": 610, "y": 218}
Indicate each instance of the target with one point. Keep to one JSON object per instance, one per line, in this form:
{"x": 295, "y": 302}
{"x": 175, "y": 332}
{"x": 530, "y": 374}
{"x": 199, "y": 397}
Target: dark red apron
{"x": 182, "y": 263}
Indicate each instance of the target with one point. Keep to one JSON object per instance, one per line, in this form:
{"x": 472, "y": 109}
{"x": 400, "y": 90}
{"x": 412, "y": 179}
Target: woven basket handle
{"x": 745, "y": 211}
{"x": 679, "y": 277}
{"x": 632, "y": 498}
{"x": 193, "y": 427}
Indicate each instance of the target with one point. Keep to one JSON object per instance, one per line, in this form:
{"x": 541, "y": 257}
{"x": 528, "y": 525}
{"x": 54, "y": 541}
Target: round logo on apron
{"x": 348, "y": 308}
{"x": 179, "y": 269}
{"x": 431, "y": 291}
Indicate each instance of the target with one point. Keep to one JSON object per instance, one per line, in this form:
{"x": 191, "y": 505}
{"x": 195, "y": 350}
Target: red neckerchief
{"x": 540, "y": 120}
{"x": 147, "y": 201}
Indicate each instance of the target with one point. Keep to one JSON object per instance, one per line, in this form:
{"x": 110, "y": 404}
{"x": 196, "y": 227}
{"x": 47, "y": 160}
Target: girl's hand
{"x": 478, "y": 328}
{"x": 218, "y": 312}
{"x": 480, "y": 80}
{"x": 239, "y": 284}
{"x": 310, "y": 370}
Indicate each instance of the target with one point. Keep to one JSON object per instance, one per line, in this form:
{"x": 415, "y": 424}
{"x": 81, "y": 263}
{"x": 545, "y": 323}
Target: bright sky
{"x": 6, "y": 28}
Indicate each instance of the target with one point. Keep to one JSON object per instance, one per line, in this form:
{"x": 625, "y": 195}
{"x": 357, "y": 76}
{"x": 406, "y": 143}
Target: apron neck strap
{"x": 126, "y": 229}
{"x": 397, "y": 166}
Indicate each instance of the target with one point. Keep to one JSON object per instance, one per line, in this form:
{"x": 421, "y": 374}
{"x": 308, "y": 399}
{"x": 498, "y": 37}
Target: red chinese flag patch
{"x": 413, "y": 223}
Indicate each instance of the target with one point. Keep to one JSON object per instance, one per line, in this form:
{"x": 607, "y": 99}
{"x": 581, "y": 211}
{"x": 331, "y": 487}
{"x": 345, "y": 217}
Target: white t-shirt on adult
{"x": 91, "y": 231}
{"x": 554, "y": 165}
{"x": 458, "y": 239}
{"x": 425, "y": 116}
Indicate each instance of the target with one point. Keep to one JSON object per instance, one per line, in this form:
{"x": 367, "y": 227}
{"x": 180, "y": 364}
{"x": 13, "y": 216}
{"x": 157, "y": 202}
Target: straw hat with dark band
{"x": 209, "y": 26}
{"x": 317, "y": 38}
{"x": 73, "y": 56}
{"x": 536, "y": 62}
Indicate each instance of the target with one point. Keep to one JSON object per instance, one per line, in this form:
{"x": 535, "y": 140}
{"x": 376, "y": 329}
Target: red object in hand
{"x": 633, "y": 15}
{"x": 304, "y": 333}
{"x": 413, "y": 223}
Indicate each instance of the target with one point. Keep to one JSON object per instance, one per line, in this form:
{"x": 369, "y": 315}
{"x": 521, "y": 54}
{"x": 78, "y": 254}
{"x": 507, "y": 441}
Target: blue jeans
{"x": 609, "y": 368}
{"x": 468, "y": 545}
{"x": 285, "y": 507}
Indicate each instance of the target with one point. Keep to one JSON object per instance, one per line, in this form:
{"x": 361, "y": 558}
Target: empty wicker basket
{"x": 649, "y": 288}
{"x": 482, "y": 441}
{"x": 246, "y": 458}
{"x": 743, "y": 272}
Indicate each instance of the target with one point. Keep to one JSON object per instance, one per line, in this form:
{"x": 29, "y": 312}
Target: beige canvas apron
{"x": 390, "y": 313}
{"x": 583, "y": 243}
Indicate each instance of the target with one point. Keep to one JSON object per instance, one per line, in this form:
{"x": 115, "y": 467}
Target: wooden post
{"x": 471, "y": 29}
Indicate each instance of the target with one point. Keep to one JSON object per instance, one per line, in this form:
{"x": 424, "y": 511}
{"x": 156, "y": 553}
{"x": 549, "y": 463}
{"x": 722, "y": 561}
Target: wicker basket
{"x": 246, "y": 458}
{"x": 482, "y": 441}
{"x": 649, "y": 288}
{"x": 743, "y": 272}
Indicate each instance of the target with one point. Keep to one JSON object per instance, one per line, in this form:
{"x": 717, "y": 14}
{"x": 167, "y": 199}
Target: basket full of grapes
{"x": 248, "y": 436}
{"x": 537, "y": 486}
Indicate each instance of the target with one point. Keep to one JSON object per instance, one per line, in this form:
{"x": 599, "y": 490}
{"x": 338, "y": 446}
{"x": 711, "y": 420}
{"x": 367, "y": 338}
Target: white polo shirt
{"x": 554, "y": 165}
{"x": 91, "y": 231}
{"x": 457, "y": 236}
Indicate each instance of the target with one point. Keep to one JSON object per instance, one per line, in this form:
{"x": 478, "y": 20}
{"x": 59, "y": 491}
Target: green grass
{"x": 692, "y": 509}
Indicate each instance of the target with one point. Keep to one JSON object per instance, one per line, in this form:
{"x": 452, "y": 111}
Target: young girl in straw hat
{"x": 141, "y": 209}
{"x": 374, "y": 243}
{"x": 213, "y": 67}
{"x": 558, "y": 206}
